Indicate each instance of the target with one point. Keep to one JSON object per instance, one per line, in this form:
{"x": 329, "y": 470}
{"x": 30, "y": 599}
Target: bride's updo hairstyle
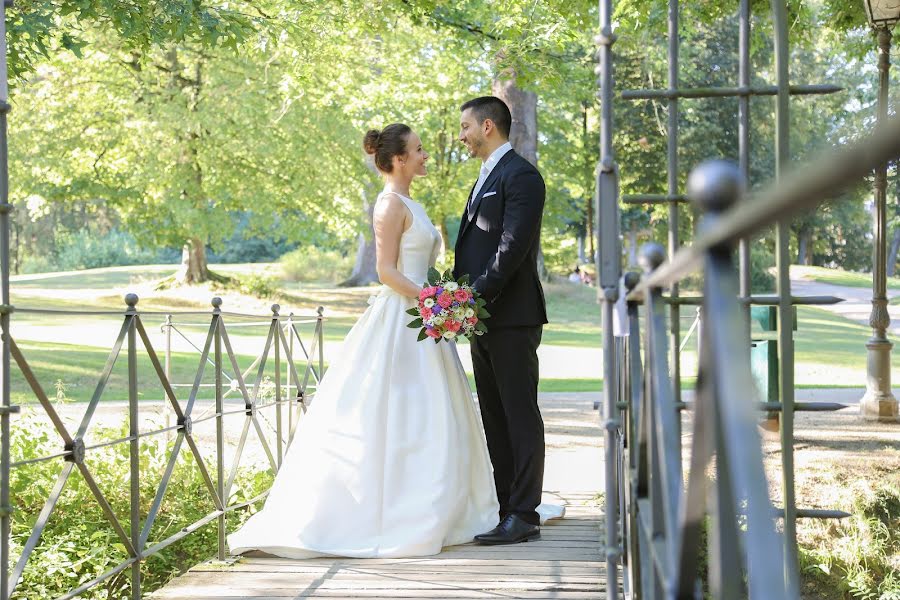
{"x": 384, "y": 145}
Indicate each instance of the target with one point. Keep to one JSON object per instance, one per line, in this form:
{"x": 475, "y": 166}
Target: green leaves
{"x": 416, "y": 323}
{"x": 434, "y": 276}
{"x": 413, "y": 311}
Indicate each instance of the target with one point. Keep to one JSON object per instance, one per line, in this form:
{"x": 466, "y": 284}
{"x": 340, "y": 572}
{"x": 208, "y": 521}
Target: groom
{"x": 497, "y": 246}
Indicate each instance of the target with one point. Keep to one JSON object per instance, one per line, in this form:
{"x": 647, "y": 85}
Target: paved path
{"x": 857, "y": 304}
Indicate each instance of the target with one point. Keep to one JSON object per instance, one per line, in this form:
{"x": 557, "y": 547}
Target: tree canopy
{"x": 181, "y": 121}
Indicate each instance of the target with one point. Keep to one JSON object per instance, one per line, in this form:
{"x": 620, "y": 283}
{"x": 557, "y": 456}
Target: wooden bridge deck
{"x": 566, "y": 563}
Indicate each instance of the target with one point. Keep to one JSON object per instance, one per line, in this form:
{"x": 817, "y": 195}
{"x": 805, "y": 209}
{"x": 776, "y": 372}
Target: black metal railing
{"x": 657, "y": 525}
{"x": 296, "y": 377}
{"x": 665, "y": 524}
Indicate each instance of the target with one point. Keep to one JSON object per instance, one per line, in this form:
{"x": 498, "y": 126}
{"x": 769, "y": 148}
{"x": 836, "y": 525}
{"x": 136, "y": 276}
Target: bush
{"x": 78, "y": 544}
{"x": 37, "y": 264}
{"x": 310, "y": 264}
{"x": 761, "y": 260}
{"x": 258, "y": 285}
{"x": 87, "y": 250}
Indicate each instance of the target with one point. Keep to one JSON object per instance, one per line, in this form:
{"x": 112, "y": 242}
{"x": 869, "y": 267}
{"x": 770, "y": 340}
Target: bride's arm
{"x": 390, "y": 222}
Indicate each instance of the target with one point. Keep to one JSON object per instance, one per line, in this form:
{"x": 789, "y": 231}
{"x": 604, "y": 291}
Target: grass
{"x": 830, "y": 350}
{"x": 840, "y": 277}
{"x": 71, "y": 372}
{"x": 856, "y": 557}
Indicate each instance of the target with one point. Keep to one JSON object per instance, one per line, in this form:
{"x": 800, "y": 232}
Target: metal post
{"x": 609, "y": 269}
{"x": 879, "y": 403}
{"x": 168, "y": 369}
{"x": 5, "y": 409}
{"x": 134, "y": 451}
{"x": 277, "y": 326}
{"x": 220, "y": 426}
{"x": 785, "y": 307}
{"x": 320, "y": 327}
{"x": 672, "y": 183}
{"x": 744, "y": 140}
{"x": 291, "y": 382}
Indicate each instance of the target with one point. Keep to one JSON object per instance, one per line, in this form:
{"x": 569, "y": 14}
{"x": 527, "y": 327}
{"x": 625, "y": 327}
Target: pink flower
{"x": 432, "y": 333}
{"x": 452, "y": 325}
{"x": 425, "y": 312}
{"x": 445, "y": 300}
{"x": 461, "y": 295}
{"x": 472, "y": 320}
{"x": 426, "y": 292}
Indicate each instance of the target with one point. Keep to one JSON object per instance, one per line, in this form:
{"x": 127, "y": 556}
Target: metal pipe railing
{"x": 218, "y": 486}
{"x": 801, "y": 190}
{"x": 660, "y": 521}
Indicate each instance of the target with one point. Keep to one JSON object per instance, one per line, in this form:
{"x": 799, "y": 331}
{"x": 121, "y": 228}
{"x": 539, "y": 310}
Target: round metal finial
{"x": 320, "y": 310}
{"x": 217, "y": 303}
{"x": 632, "y": 278}
{"x": 715, "y": 185}
{"x": 276, "y": 308}
{"x": 652, "y": 255}
{"x": 131, "y": 300}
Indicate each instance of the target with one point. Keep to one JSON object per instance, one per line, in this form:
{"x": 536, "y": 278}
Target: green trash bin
{"x": 764, "y": 353}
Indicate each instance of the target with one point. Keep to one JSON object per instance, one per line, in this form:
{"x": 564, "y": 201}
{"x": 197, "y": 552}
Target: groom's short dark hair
{"x": 493, "y": 108}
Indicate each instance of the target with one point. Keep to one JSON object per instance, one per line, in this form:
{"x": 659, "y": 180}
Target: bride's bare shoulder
{"x": 391, "y": 207}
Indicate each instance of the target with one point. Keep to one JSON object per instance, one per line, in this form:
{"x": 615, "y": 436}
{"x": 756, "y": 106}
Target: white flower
{"x": 470, "y": 313}
{"x": 451, "y": 286}
{"x": 437, "y": 321}
{"x": 449, "y": 335}
{"x": 428, "y": 302}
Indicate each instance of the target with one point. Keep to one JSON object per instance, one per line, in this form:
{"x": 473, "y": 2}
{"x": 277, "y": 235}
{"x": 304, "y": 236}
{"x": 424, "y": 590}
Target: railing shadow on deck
{"x": 298, "y": 366}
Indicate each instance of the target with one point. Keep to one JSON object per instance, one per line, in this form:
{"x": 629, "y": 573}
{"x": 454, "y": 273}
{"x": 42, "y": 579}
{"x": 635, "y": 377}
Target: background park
{"x": 182, "y": 150}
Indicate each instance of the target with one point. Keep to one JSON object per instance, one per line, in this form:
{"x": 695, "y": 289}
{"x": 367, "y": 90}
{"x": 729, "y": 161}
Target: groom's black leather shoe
{"x": 511, "y": 530}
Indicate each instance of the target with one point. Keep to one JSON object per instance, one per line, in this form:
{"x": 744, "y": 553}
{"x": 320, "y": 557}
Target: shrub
{"x": 78, "y": 544}
{"x": 310, "y": 264}
{"x": 87, "y": 250}
{"x": 258, "y": 285}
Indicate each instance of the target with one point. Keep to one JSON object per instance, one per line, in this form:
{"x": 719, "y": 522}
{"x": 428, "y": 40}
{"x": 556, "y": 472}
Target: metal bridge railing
{"x": 303, "y": 370}
{"x": 664, "y": 523}
{"x": 653, "y": 521}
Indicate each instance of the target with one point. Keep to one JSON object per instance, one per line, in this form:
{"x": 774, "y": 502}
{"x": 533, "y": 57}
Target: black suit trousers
{"x": 506, "y": 378}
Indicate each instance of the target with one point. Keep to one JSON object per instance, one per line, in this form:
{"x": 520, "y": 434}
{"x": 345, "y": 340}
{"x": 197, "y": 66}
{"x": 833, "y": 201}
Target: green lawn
{"x": 830, "y": 350}
{"x": 74, "y": 372}
{"x": 841, "y": 277}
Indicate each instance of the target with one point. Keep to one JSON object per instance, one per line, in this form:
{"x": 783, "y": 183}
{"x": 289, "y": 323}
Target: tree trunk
{"x": 581, "y": 257}
{"x": 194, "y": 268}
{"x": 523, "y": 133}
{"x": 364, "y": 270}
{"x": 892, "y": 253}
{"x": 632, "y": 244}
{"x": 804, "y": 247}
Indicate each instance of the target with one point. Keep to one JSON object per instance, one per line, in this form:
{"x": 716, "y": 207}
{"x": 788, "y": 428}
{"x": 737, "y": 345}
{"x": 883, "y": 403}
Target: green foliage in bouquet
{"x": 438, "y": 279}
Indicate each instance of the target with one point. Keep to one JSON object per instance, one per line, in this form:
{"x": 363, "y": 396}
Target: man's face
{"x": 471, "y": 134}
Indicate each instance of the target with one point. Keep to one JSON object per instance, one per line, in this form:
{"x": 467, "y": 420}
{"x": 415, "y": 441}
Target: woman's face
{"x": 414, "y": 161}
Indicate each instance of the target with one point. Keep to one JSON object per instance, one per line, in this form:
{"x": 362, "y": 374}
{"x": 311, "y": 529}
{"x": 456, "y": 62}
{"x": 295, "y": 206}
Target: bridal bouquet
{"x": 448, "y": 308}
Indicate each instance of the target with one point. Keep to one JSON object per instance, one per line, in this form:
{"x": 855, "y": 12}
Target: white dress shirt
{"x": 486, "y": 167}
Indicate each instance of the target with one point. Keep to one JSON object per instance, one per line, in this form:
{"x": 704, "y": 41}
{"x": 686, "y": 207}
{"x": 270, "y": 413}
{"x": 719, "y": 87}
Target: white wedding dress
{"x": 390, "y": 460}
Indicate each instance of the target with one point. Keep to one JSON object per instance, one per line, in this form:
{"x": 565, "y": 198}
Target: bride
{"x": 390, "y": 460}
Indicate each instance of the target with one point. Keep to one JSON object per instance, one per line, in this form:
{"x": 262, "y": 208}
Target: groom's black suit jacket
{"x": 498, "y": 247}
